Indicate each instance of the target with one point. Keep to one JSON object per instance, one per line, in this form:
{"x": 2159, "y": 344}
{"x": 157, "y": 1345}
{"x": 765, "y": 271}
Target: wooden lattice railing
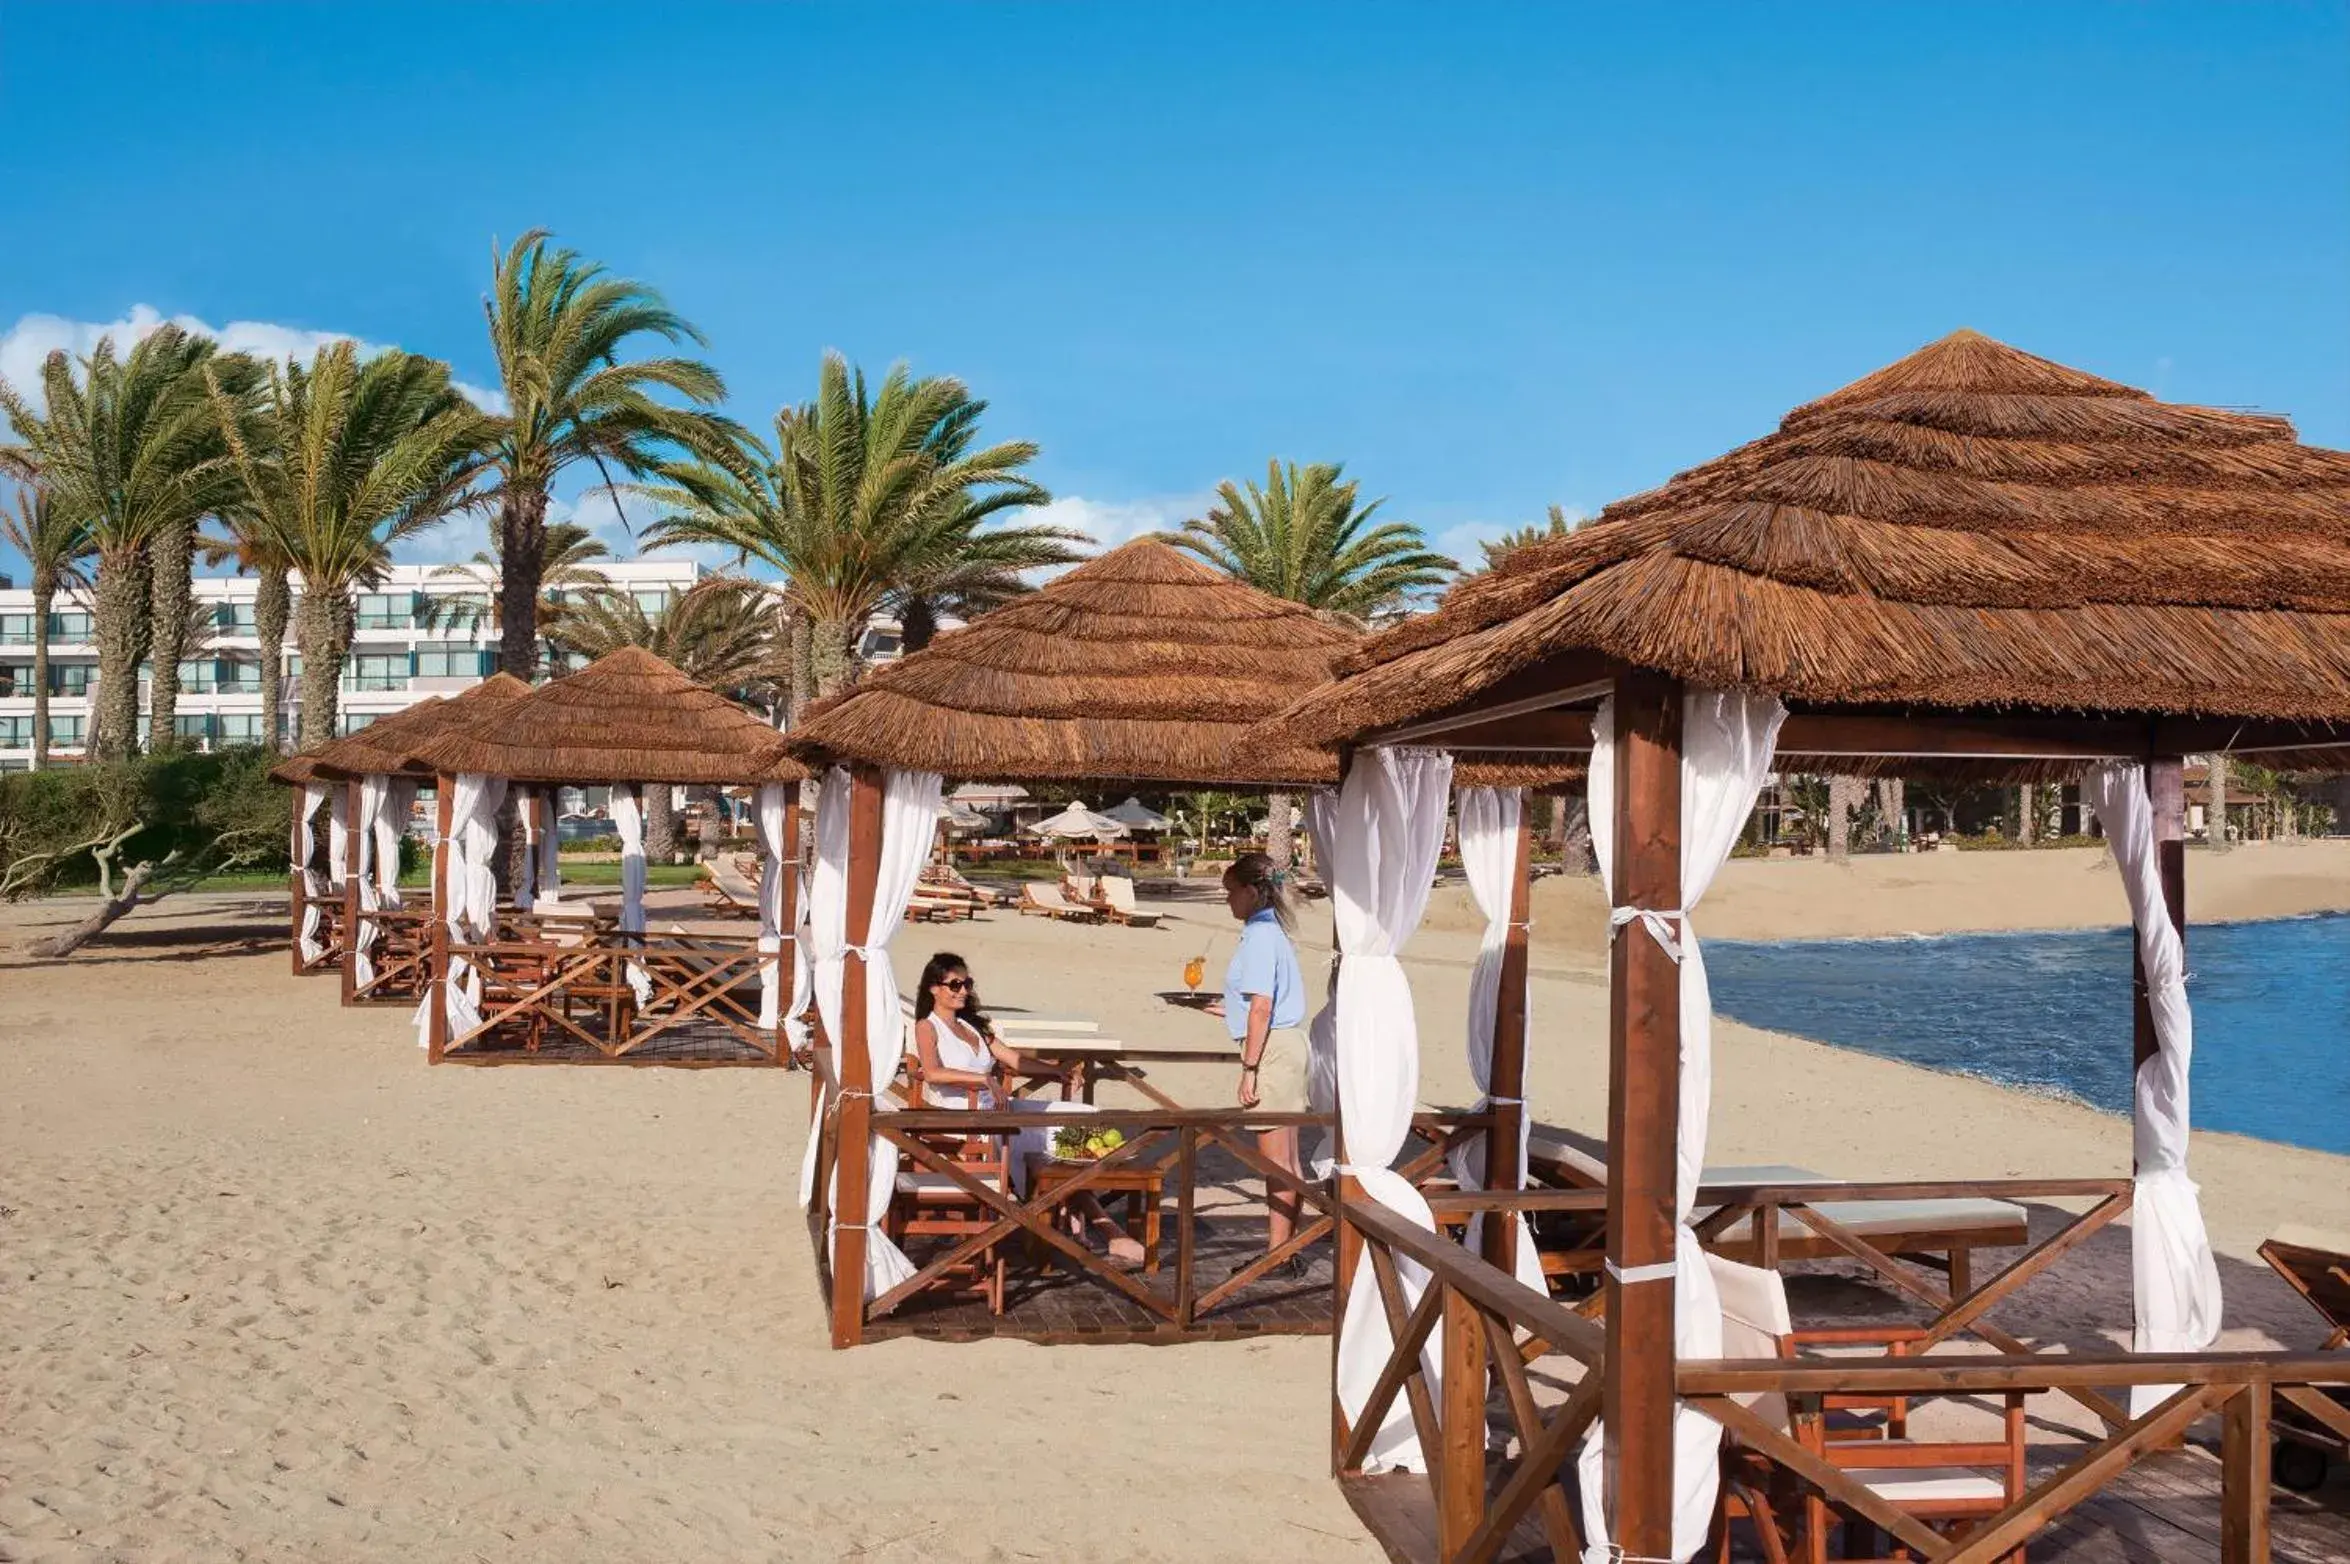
{"x": 1495, "y": 1327}
{"x": 586, "y": 992}
{"x": 401, "y": 954}
{"x": 329, "y": 906}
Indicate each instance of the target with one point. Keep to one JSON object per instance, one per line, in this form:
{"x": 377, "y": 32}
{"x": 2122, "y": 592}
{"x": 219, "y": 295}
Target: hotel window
{"x": 198, "y": 677}
{"x": 69, "y": 678}
{"x": 387, "y": 610}
{"x": 234, "y": 619}
{"x": 239, "y": 727}
{"x": 350, "y": 722}
{"x": 237, "y": 676}
{"x": 16, "y": 733}
{"x": 654, "y": 602}
{"x": 193, "y": 727}
{"x": 69, "y": 627}
{"x": 16, "y": 629}
{"x": 16, "y": 678}
{"x": 377, "y": 671}
{"x": 459, "y": 611}
{"x": 451, "y": 662}
{"x": 65, "y": 732}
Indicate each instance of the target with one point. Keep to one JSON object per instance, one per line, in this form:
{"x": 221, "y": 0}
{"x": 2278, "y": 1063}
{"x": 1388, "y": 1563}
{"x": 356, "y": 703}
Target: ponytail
{"x": 1257, "y": 872}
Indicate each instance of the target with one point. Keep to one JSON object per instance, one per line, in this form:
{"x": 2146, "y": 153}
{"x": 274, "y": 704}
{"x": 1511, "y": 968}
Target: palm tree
{"x": 865, "y": 496}
{"x": 273, "y": 607}
{"x": 340, "y": 461}
{"x": 963, "y": 588}
{"x": 559, "y": 326}
{"x": 54, "y": 542}
{"x": 1305, "y": 536}
{"x": 720, "y": 632}
{"x": 567, "y": 569}
{"x": 132, "y": 445}
{"x": 1498, "y": 549}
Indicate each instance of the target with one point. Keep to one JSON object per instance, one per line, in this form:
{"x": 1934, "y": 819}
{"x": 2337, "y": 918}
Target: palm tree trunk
{"x": 917, "y": 623}
{"x": 272, "y": 606}
{"x": 832, "y": 659}
{"x": 322, "y": 666}
{"x": 2216, "y": 830}
{"x": 1893, "y": 810}
{"x": 1280, "y": 818}
{"x": 170, "y": 556}
{"x": 660, "y": 823}
{"x": 2024, "y": 823}
{"x": 44, "y": 594}
{"x": 522, "y": 549}
{"x": 119, "y": 615}
{"x": 1840, "y": 791}
{"x": 802, "y": 672}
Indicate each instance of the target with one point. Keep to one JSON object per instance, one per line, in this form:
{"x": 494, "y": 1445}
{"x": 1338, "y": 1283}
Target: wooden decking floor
{"x": 2162, "y": 1511}
{"x": 696, "y": 1044}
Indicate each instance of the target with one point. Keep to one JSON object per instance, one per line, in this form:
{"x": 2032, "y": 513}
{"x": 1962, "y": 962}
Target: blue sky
{"x": 1490, "y": 257}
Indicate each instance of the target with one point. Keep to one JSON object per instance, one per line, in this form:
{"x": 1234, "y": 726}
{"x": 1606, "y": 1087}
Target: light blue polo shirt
{"x": 1263, "y": 963}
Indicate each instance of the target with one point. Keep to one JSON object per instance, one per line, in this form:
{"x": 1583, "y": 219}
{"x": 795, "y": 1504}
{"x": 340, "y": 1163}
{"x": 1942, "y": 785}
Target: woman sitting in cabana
{"x": 965, "y": 1065}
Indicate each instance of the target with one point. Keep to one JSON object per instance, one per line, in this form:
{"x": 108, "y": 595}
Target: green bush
{"x": 590, "y": 844}
{"x": 216, "y": 810}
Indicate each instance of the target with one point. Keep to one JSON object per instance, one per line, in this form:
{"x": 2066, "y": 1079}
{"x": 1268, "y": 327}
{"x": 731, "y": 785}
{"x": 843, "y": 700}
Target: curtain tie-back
{"x": 1657, "y": 921}
{"x": 1662, "y": 1270}
{"x": 1609, "y": 1553}
{"x": 1492, "y": 1101}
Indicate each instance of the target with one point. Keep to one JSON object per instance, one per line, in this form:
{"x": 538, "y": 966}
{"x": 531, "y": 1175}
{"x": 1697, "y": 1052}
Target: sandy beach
{"x": 270, "y": 1288}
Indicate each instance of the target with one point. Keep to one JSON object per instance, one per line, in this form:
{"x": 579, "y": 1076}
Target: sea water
{"x": 2051, "y": 1013}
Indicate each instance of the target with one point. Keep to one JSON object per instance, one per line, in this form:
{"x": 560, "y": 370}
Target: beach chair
{"x": 730, "y": 892}
{"x": 2316, "y": 1265}
{"x": 946, "y": 880}
{"x": 923, "y": 907}
{"x": 1943, "y": 1234}
{"x": 1948, "y": 1484}
{"x": 1038, "y": 897}
{"x": 1117, "y": 903}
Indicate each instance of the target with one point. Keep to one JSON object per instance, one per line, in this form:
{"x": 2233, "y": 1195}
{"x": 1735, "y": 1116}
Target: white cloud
{"x": 34, "y": 337}
{"x": 1112, "y": 522}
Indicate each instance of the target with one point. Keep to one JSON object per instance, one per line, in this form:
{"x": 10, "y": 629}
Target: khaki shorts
{"x": 1281, "y": 1072}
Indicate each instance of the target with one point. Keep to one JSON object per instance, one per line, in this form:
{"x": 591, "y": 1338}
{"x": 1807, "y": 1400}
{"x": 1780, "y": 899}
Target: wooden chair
{"x": 2317, "y": 1266}
{"x": 1117, "y": 903}
{"x": 931, "y": 1205}
{"x": 1947, "y": 1484}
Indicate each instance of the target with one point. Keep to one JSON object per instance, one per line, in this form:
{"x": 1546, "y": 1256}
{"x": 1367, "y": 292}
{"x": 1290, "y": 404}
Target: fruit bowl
{"x": 1077, "y": 1143}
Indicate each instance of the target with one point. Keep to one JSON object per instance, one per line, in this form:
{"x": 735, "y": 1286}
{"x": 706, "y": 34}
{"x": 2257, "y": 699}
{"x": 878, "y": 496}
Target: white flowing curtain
{"x": 628, "y": 818}
{"x": 373, "y": 791}
{"x": 548, "y": 865}
{"x": 1321, "y": 817}
{"x": 472, "y": 910}
{"x": 909, "y": 816}
{"x": 772, "y": 802}
{"x": 2173, "y": 1275}
{"x": 1489, "y": 819}
{"x": 391, "y": 824}
{"x": 313, "y": 883}
{"x": 526, "y": 889}
{"x": 338, "y": 836}
{"x": 1387, "y": 831}
{"x": 1727, "y": 738}
{"x": 824, "y": 938}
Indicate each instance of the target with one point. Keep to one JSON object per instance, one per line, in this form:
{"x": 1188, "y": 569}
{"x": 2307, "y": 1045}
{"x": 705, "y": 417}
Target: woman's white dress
{"x": 960, "y": 1047}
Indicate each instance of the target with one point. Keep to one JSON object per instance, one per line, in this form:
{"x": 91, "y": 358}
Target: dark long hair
{"x": 1256, "y": 871}
{"x": 936, "y": 971}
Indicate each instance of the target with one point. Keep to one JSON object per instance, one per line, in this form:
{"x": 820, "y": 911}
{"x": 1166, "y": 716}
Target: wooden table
{"x": 1090, "y": 1060}
{"x": 1140, "y": 1184}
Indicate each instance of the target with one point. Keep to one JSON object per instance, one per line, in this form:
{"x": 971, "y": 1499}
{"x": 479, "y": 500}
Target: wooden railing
{"x": 401, "y": 953}
{"x": 584, "y": 994}
{"x": 1174, "y": 1296}
{"x": 1494, "y": 1327}
{"x": 329, "y": 905}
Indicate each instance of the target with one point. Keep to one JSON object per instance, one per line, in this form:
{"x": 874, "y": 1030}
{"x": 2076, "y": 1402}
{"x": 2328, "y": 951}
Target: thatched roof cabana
{"x": 1971, "y": 527}
{"x": 384, "y": 747}
{"x": 1145, "y": 664}
{"x": 627, "y": 717}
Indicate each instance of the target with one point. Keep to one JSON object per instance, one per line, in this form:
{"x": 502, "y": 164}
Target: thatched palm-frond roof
{"x": 1144, "y": 664}
{"x": 1969, "y": 527}
{"x": 626, "y": 717}
{"x": 387, "y": 745}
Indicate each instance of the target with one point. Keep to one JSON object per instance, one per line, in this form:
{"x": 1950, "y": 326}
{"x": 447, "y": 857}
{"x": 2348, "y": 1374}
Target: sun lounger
{"x": 731, "y": 893}
{"x": 1047, "y": 899}
{"x": 1941, "y": 1232}
{"x": 923, "y": 908}
{"x": 2316, "y": 1265}
{"x": 1117, "y": 903}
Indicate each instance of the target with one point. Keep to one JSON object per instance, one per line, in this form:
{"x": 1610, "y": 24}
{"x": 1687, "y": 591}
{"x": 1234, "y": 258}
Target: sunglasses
{"x": 960, "y": 985}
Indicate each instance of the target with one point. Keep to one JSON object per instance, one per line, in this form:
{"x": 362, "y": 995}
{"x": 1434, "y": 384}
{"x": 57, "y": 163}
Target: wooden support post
{"x": 1459, "y": 1464}
{"x": 1508, "y": 1075}
{"x": 853, "y": 1156}
{"x": 2244, "y": 1476}
{"x": 788, "y": 959}
{"x": 354, "y": 857}
{"x": 1644, "y": 1109}
{"x": 1347, "y": 1244}
{"x": 436, "y": 988}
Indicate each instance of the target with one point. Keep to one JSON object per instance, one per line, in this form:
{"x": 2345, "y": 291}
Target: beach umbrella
{"x": 961, "y": 820}
{"x": 1078, "y": 821}
{"x": 1136, "y": 815}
